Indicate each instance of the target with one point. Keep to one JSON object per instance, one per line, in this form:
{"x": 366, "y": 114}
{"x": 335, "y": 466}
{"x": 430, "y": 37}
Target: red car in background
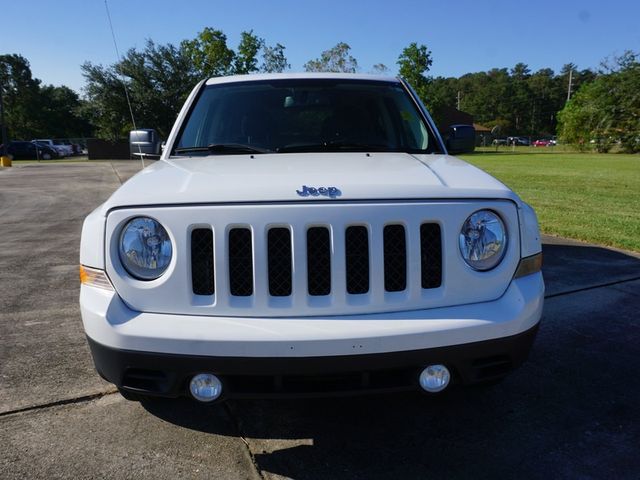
{"x": 541, "y": 143}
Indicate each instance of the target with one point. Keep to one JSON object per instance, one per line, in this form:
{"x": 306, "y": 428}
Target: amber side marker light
{"x": 529, "y": 265}
{"x": 94, "y": 278}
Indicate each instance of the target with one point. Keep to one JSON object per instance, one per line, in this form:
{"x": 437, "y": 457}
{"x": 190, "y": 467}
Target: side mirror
{"x": 460, "y": 139}
{"x": 144, "y": 142}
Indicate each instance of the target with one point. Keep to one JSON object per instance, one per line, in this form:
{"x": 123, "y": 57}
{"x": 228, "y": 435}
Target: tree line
{"x": 34, "y": 110}
{"x": 603, "y": 107}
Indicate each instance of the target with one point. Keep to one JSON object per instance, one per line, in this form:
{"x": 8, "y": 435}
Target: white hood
{"x": 277, "y": 177}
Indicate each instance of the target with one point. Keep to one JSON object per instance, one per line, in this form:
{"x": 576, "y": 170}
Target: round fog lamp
{"x": 205, "y": 387}
{"x": 435, "y": 378}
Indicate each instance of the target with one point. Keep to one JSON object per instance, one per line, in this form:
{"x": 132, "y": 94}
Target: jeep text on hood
{"x": 308, "y": 234}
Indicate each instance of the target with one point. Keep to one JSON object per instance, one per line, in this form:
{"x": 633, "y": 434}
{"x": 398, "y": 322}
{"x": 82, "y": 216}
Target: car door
{"x": 30, "y": 150}
{"x": 17, "y": 150}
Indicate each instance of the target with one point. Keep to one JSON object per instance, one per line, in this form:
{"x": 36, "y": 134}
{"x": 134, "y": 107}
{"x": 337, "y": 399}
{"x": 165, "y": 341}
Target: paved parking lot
{"x": 572, "y": 411}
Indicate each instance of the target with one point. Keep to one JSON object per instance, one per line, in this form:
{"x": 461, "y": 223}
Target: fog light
{"x": 205, "y": 387}
{"x": 434, "y": 378}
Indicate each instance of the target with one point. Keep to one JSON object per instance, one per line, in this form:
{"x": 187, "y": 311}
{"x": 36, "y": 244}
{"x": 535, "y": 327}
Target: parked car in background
{"x": 542, "y": 143}
{"x": 61, "y": 149}
{"x": 66, "y": 144}
{"x": 55, "y": 153}
{"x": 31, "y": 151}
{"x": 520, "y": 141}
{"x": 499, "y": 141}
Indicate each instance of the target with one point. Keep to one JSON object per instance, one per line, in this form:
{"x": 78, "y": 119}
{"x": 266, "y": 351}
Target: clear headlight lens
{"x": 483, "y": 240}
{"x": 145, "y": 248}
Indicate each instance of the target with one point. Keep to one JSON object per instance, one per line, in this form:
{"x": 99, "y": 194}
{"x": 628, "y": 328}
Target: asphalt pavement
{"x": 572, "y": 411}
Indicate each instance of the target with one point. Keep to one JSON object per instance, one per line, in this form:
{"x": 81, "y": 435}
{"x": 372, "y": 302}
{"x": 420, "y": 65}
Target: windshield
{"x": 303, "y": 115}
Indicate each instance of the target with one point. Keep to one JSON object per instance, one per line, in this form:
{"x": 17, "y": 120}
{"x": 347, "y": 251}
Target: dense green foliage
{"x": 607, "y": 110}
{"x": 274, "y": 59}
{"x": 414, "y": 62}
{"x": 159, "y": 78}
{"x": 590, "y": 197}
{"x": 518, "y": 101}
{"x": 35, "y": 110}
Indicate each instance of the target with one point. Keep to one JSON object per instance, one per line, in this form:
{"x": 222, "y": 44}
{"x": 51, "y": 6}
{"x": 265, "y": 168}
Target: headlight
{"x": 145, "y": 248}
{"x": 483, "y": 240}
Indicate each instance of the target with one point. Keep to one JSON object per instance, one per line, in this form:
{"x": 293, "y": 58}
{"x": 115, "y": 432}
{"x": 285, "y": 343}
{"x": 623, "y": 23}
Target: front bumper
{"x": 157, "y": 353}
{"x": 245, "y": 377}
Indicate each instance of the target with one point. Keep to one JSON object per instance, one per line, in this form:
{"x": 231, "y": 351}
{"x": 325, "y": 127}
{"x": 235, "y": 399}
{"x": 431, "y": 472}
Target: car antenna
{"x": 124, "y": 84}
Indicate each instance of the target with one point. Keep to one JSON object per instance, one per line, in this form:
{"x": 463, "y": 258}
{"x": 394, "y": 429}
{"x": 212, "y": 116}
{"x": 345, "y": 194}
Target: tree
{"x": 337, "y": 59}
{"x": 107, "y": 105}
{"x": 547, "y": 97}
{"x": 158, "y": 79}
{"x": 521, "y": 102}
{"x": 209, "y": 53}
{"x": 606, "y": 110}
{"x": 380, "y": 69}
{"x": 20, "y": 96}
{"x": 33, "y": 110}
{"x": 414, "y": 62}
{"x": 439, "y": 95}
{"x": 520, "y": 97}
{"x": 274, "y": 60}
{"x": 246, "y": 58}
{"x": 61, "y": 113}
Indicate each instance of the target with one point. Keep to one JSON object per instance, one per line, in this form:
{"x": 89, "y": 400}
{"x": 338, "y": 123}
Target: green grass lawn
{"x": 586, "y": 196}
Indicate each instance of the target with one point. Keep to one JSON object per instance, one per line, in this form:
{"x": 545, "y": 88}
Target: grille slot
{"x": 349, "y": 260}
{"x": 395, "y": 258}
{"x": 240, "y": 262}
{"x": 431, "y": 255}
{"x": 318, "y": 261}
{"x": 279, "y": 261}
{"x": 202, "y": 274}
{"x": 357, "y": 259}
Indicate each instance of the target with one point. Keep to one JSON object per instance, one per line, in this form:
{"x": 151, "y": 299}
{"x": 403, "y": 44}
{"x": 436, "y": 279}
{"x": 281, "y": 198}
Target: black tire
{"x": 46, "y": 156}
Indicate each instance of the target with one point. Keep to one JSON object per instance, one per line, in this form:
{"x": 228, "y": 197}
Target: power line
{"x": 124, "y": 84}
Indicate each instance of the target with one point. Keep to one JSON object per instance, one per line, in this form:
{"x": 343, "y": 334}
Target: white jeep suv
{"x": 308, "y": 234}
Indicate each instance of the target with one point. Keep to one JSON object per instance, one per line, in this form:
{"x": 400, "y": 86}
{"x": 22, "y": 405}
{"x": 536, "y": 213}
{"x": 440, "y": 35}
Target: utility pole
{"x": 569, "y": 88}
{"x": 3, "y": 151}
{"x": 458, "y": 107}
{"x": 533, "y": 120}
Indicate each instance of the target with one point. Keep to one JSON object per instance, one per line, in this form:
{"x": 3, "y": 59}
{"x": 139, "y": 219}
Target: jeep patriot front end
{"x": 308, "y": 234}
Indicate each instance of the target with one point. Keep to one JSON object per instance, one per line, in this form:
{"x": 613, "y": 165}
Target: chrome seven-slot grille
{"x": 359, "y": 266}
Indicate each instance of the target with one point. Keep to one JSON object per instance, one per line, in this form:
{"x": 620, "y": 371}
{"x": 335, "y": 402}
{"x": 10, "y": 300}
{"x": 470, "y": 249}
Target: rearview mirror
{"x": 460, "y": 139}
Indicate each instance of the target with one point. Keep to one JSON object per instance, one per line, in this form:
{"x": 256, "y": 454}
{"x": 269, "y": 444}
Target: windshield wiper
{"x": 224, "y": 148}
{"x": 334, "y": 147}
